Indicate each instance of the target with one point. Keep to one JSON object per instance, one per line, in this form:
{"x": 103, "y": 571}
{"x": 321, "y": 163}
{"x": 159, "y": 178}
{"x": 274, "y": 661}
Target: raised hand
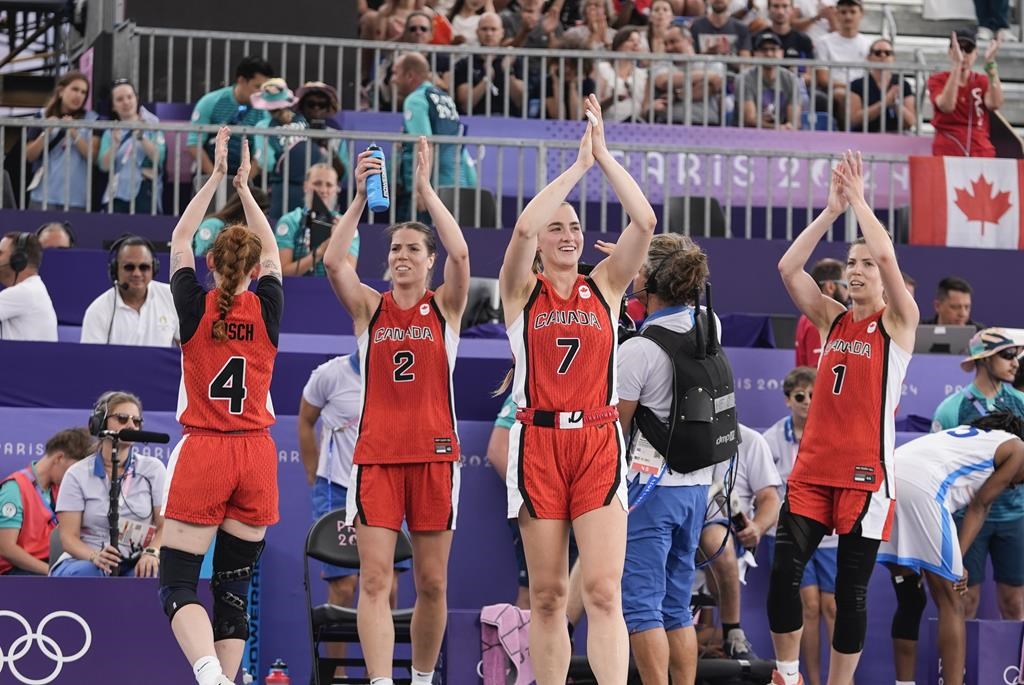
{"x": 424, "y": 163}
{"x": 244, "y": 166}
{"x": 837, "y": 202}
{"x": 220, "y": 151}
{"x": 586, "y": 154}
{"x": 991, "y": 50}
{"x": 956, "y": 55}
{"x": 592, "y": 109}
{"x": 852, "y": 173}
{"x": 605, "y": 247}
{"x": 366, "y": 165}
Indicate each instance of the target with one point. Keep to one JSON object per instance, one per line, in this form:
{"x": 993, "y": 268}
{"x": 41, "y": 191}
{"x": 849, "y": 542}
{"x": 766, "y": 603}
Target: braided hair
{"x": 235, "y": 253}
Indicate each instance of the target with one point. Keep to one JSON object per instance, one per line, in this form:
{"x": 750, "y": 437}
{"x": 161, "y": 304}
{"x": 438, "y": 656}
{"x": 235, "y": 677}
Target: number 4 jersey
{"x": 851, "y": 426}
{"x": 408, "y": 408}
{"x": 225, "y": 386}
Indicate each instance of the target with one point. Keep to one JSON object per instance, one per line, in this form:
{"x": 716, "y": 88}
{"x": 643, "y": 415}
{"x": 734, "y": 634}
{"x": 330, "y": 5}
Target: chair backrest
{"x": 679, "y": 218}
{"x": 466, "y": 214}
{"x": 56, "y": 548}
{"x": 332, "y": 542}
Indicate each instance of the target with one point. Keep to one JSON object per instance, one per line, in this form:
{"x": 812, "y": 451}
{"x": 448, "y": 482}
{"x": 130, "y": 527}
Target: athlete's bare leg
{"x": 430, "y": 552}
{"x": 546, "y": 542}
{"x": 952, "y": 631}
{"x": 601, "y": 537}
{"x": 373, "y": 611}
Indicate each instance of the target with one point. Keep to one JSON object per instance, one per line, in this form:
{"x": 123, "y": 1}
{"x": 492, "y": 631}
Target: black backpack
{"x": 702, "y": 429}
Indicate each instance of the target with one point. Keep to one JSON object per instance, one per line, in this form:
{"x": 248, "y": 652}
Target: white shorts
{"x": 923, "y": 535}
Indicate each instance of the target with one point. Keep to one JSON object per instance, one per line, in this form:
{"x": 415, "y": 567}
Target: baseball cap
{"x": 274, "y": 94}
{"x": 966, "y": 35}
{"x": 766, "y": 37}
{"x": 858, "y": 3}
{"x": 985, "y": 343}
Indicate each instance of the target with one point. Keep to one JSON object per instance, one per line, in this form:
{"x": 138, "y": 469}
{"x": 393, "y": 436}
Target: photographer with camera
{"x": 303, "y": 233}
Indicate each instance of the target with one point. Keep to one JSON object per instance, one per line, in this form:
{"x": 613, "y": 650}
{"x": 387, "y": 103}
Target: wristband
{"x": 152, "y": 551}
{"x": 991, "y": 66}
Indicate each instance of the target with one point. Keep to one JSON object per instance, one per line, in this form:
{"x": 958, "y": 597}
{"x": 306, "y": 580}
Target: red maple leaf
{"x": 982, "y": 205}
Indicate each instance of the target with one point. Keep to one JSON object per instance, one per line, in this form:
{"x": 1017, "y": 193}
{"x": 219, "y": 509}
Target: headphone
{"x": 127, "y": 240}
{"x": 651, "y": 284}
{"x": 67, "y": 229}
{"x": 100, "y": 412}
{"x": 19, "y": 257}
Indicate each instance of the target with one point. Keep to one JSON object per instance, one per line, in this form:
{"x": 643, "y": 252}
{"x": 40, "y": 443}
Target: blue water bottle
{"x": 377, "y": 195}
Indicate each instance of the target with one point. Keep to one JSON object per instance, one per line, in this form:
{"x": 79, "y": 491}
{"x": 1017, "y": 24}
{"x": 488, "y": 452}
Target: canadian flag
{"x": 967, "y": 202}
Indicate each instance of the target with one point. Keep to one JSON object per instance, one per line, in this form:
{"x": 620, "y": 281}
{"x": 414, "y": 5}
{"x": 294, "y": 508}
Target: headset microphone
{"x": 124, "y": 286}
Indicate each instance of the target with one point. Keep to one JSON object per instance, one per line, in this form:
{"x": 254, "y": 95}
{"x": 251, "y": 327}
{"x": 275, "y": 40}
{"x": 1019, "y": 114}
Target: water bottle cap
{"x": 373, "y": 146}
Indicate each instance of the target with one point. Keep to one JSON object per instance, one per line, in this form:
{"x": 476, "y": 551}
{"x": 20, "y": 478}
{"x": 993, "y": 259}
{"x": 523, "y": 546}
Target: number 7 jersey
{"x": 408, "y": 407}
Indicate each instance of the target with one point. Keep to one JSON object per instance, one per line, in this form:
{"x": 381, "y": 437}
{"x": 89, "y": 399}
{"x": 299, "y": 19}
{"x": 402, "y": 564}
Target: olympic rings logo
{"x": 47, "y": 645}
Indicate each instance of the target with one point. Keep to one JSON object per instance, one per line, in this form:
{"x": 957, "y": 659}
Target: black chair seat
{"x": 332, "y": 623}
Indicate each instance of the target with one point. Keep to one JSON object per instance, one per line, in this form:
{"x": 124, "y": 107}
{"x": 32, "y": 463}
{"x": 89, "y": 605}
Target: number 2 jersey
{"x": 408, "y": 407}
{"x": 225, "y": 386}
{"x": 850, "y": 435}
{"x": 564, "y": 349}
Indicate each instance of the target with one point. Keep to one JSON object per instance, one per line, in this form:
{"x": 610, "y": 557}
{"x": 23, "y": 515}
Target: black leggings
{"x": 795, "y": 542}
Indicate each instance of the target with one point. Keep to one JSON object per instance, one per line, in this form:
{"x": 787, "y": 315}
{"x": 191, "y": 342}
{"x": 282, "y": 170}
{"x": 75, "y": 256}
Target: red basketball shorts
{"x": 563, "y": 474}
{"x": 425, "y": 495}
{"x": 217, "y": 476}
{"x": 845, "y": 510}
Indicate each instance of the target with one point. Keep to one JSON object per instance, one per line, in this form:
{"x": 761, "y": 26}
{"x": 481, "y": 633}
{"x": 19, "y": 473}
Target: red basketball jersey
{"x": 408, "y": 412}
{"x": 564, "y": 349}
{"x": 851, "y": 430}
{"x": 225, "y": 386}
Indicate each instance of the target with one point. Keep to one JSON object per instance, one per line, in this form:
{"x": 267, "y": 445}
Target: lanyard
{"x": 42, "y": 494}
{"x": 649, "y": 486}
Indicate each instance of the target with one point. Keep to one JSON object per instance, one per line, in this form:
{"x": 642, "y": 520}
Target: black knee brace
{"x": 179, "y": 575}
{"x": 233, "y": 562}
{"x": 853, "y": 571}
{"x": 911, "y": 602}
{"x": 796, "y": 539}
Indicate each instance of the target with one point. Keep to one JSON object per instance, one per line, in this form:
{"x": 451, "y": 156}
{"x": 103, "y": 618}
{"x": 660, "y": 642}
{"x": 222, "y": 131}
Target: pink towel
{"x": 505, "y": 643}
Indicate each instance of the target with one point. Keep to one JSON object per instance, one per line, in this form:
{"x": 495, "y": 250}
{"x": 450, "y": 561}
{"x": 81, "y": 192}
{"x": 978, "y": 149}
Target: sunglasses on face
{"x": 143, "y": 268}
{"x": 800, "y": 397}
{"x": 418, "y": 28}
{"x": 1008, "y": 355}
{"x": 123, "y": 419}
{"x": 317, "y": 104}
{"x": 882, "y": 53}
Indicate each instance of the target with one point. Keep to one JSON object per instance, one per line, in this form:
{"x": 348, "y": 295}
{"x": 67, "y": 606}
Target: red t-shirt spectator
{"x": 808, "y": 343}
{"x": 964, "y": 131}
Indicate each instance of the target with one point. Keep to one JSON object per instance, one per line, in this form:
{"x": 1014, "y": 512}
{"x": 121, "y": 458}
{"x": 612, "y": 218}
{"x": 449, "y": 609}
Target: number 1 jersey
{"x": 225, "y": 386}
{"x": 408, "y": 412}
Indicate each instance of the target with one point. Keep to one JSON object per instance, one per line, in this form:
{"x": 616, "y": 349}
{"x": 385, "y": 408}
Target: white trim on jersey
{"x": 515, "y": 499}
{"x": 896, "y": 371}
{"x": 517, "y": 341}
{"x": 172, "y": 461}
{"x": 451, "y": 348}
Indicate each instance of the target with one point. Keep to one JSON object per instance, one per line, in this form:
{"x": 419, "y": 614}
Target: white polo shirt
{"x": 645, "y": 375}
{"x": 335, "y": 388}
{"x": 154, "y": 325}
{"x": 26, "y": 312}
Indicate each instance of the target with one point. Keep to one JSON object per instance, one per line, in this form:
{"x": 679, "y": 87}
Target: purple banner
{"x": 776, "y": 182}
{"x": 993, "y": 653}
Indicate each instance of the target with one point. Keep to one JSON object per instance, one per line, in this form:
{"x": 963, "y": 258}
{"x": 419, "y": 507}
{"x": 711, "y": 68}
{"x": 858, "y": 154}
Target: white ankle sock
{"x": 789, "y": 670}
{"x": 421, "y": 678}
{"x": 207, "y": 670}
{"x": 905, "y": 682}
{"x": 381, "y": 681}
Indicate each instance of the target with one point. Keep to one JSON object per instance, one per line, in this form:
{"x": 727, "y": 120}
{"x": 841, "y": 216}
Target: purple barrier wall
{"x": 743, "y": 271}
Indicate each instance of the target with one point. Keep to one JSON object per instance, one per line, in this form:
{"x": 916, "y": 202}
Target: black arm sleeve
{"x": 189, "y": 301}
{"x": 271, "y": 294}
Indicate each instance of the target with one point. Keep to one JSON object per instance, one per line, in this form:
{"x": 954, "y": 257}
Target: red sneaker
{"x": 777, "y": 679}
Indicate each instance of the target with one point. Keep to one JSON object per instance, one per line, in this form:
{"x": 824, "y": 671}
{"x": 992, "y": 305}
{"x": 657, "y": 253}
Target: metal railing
{"x": 173, "y": 65}
{"x": 696, "y": 190}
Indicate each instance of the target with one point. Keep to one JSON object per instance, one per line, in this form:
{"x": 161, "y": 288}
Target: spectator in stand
{"x": 673, "y": 82}
{"x": 568, "y": 87}
{"x": 751, "y": 13}
{"x": 492, "y": 83}
{"x": 719, "y": 33}
{"x": 595, "y": 33}
{"x": 828, "y": 274}
{"x": 465, "y": 18}
{"x": 134, "y": 159}
{"x": 818, "y": 585}
{"x": 771, "y": 95}
{"x": 84, "y": 502}
{"x": 419, "y": 30}
{"x": 318, "y": 104}
{"x": 230, "y": 214}
{"x": 231, "y": 106}
{"x": 953, "y": 304}
{"x": 61, "y": 156}
{"x": 622, "y": 85}
{"x": 881, "y": 101}
{"x": 995, "y": 359}
{"x": 387, "y": 22}
{"x": 299, "y": 257}
{"x": 26, "y": 311}
{"x": 428, "y": 111}
{"x": 137, "y": 310}
{"x": 816, "y": 18}
{"x": 963, "y": 99}
{"x": 994, "y": 20}
{"x": 795, "y": 44}
{"x": 529, "y": 27}
{"x": 845, "y": 44}
{"x": 662, "y": 18}
{"x": 27, "y": 501}
{"x": 55, "y": 234}
{"x": 755, "y": 500}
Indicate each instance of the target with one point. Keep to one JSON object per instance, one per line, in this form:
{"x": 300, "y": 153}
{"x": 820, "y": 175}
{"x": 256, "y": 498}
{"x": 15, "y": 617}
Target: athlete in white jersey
{"x": 940, "y": 473}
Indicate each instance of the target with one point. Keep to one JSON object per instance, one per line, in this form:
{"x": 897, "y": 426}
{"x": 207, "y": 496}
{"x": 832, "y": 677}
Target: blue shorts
{"x": 661, "y": 541}
{"x": 1004, "y": 540}
{"x": 820, "y": 569}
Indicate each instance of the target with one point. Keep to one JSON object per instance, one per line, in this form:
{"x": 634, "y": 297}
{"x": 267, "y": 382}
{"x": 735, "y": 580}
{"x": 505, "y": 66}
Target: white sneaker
{"x": 224, "y": 680}
{"x": 1008, "y": 36}
{"x": 985, "y": 33}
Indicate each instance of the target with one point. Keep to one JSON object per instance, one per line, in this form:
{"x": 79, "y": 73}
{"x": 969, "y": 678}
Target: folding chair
{"x": 466, "y": 215}
{"x": 332, "y": 542}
